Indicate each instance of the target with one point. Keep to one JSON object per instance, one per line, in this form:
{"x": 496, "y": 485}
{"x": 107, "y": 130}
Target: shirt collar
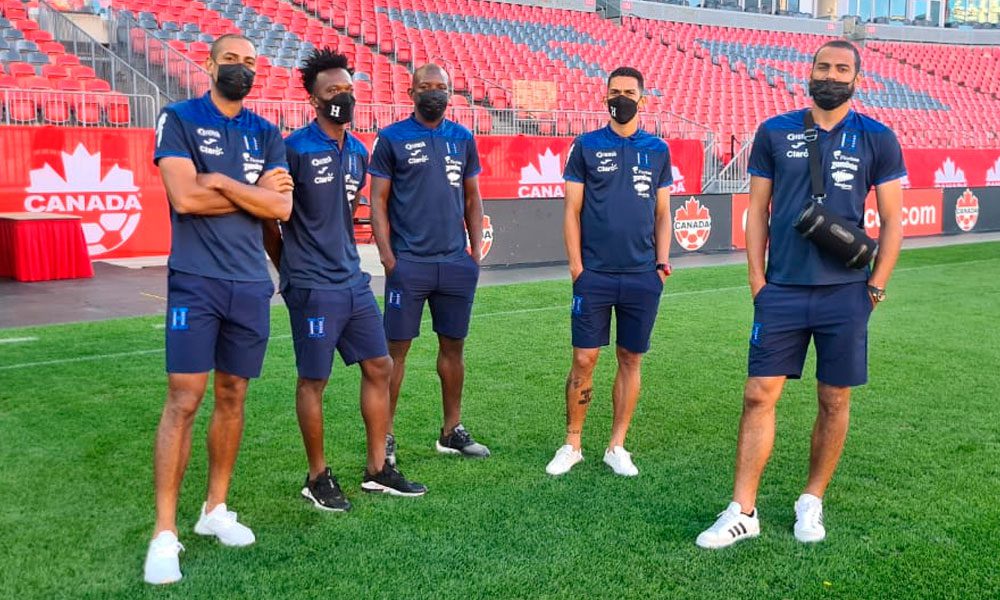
{"x": 415, "y": 123}
{"x": 611, "y": 134}
{"x": 317, "y": 131}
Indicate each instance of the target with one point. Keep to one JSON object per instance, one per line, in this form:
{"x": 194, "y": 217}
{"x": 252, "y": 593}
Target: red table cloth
{"x": 41, "y": 247}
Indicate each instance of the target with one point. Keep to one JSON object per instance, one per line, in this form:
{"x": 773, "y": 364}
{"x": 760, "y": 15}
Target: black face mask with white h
{"x": 622, "y": 109}
{"x": 340, "y": 108}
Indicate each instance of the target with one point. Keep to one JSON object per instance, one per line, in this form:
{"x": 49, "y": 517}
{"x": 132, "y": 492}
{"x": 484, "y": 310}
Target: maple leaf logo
{"x": 949, "y": 175}
{"x": 967, "y": 211}
{"x": 692, "y": 224}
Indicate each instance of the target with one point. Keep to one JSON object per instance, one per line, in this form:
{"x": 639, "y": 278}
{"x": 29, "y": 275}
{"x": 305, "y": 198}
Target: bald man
{"x": 225, "y": 172}
{"x": 425, "y": 194}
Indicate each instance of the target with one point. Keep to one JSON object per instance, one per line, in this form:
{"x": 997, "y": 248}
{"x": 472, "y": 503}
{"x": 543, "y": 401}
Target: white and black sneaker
{"x": 390, "y": 481}
{"x": 325, "y": 493}
{"x": 460, "y": 442}
{"x": 809, "y": 519}
{"x": 390, "y": 448}
{"x": 731, "y": 527}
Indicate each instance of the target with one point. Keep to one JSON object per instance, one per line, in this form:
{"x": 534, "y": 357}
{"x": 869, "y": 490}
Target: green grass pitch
{"x": 913, "y": 511}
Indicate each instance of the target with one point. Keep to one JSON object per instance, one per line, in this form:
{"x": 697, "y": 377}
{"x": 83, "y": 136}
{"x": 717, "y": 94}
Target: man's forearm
{"x": 258, "y": 201}
{"x": 890, "y": 242}
{"x": 474, "y": 225}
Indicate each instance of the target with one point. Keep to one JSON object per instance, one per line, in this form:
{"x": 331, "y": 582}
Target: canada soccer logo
{"x": 109, "y": 204}
{"x": 692, "y": 224}
{"x": 487, "y": 238}
{"x": 967, "y": 211}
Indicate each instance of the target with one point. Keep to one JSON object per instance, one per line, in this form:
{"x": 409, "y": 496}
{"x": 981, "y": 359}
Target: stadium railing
{"x": 121, "y": 75}
{"x": 80, "y": 109}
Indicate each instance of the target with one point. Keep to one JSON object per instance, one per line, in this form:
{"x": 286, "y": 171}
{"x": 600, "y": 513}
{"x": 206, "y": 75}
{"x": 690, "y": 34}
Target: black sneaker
{"x": 325, "y": 493}
{"x": 390, "y": 481}
{"x": 390, "y": 449}
{"x": 460, "y": 442}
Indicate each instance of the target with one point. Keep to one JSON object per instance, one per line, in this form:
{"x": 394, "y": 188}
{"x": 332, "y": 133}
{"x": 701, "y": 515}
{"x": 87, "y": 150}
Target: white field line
{"x": 18, "y": 340}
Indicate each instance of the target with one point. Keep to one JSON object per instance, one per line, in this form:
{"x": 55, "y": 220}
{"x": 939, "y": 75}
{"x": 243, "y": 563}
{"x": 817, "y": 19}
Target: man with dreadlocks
{"x": 330, "y": 302}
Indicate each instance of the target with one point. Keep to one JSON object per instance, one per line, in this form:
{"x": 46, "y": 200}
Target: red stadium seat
{"x": 116, "y": 108}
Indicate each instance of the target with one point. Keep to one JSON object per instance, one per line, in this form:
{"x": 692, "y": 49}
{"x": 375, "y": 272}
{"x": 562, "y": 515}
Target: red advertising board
{"x": 943, "y": 168}
{"x": 922, "y": 213}
{"x": 104, "y": 176}
{"x": 107, "y": 177}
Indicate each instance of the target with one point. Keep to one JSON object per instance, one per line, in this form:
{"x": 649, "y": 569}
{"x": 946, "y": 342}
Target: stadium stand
{"x": 40, "y": 82}
{"x": 724, "y": 79}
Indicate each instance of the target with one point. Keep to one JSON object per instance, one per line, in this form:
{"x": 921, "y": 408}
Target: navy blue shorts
{"x": 347, "y": 321}
{"x": 217, "y": 324}
{"x": 786, "y": 317}
{"x": 635, "y": 298}
{"x": 449, "y": 287}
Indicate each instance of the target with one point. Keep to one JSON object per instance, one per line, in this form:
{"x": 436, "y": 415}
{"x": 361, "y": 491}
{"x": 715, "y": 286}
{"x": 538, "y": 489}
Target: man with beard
{"x": 617, "y": 233}
{"x": 806, "y": 293}
{"x": 425, "y": 194}
{"x": 224, "y": 171}
{"x": 330, "y": 302}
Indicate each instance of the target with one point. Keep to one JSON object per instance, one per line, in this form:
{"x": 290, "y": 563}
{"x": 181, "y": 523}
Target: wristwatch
{"x": 877, "y": 293}
{"x": 665, "y": 267}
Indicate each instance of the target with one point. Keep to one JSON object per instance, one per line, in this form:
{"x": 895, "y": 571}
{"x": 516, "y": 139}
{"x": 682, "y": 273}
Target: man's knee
{"x": 628, "y": 360}
{"x": 230, "y": 391}
{"x": 377, "y": 369}
{"x": 761, "y": 393}
{"x": 398, "y": 350}
{"x": 584, "y": 360}
{"x": 184, "y": 395}
{"x": 834, "y": 400}
{"x": 451, "y": 348}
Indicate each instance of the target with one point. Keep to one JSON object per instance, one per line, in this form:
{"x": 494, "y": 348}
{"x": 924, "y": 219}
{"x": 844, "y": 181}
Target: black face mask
{"x": 828, "y": 94}
{"x": 432, "y": 104}
{"x": 622, "y": 109}
{"x": 339, "y": 109}
{"x": 234, "y": 81}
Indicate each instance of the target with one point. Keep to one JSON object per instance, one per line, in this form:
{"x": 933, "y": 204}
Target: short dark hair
{"x": 843, "y": 45}
{"x": 627, "y": 72}
{"x": 321, "y": 60}
{"x": 214, "y": 52}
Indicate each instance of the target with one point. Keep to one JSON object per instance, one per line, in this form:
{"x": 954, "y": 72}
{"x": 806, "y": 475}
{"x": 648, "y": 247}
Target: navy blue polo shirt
{"x": 227, "y": 246}
{"x": 858, "y": 153}
{"x": 620, "y": 177}
{"x": 428, "y": 169}
{"x": 319, "y": 251}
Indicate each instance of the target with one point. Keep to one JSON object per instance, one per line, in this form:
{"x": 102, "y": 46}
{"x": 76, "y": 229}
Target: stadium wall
{"x": 935, "y": 35}
{"x": 727, "y": 18}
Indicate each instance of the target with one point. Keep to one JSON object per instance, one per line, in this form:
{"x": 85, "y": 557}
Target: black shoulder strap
{"x": 815, "y": 161}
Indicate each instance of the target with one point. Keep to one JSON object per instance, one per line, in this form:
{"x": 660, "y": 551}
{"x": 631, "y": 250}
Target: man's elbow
{"x": 182, "y": 205}
{"x": 283, "y": 209}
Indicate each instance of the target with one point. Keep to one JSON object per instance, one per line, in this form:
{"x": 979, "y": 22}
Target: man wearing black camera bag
{"x": 809, "y": 291}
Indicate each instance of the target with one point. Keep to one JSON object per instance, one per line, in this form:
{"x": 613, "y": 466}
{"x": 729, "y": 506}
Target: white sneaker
{"x": 620, "y": 462}
{"x": 731, "y": 527}
{"x": 809, "y": 519}
{"x": 223, "y": 525}
{"x": 564, "y": 460}
{"x": 162, "y": 564}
